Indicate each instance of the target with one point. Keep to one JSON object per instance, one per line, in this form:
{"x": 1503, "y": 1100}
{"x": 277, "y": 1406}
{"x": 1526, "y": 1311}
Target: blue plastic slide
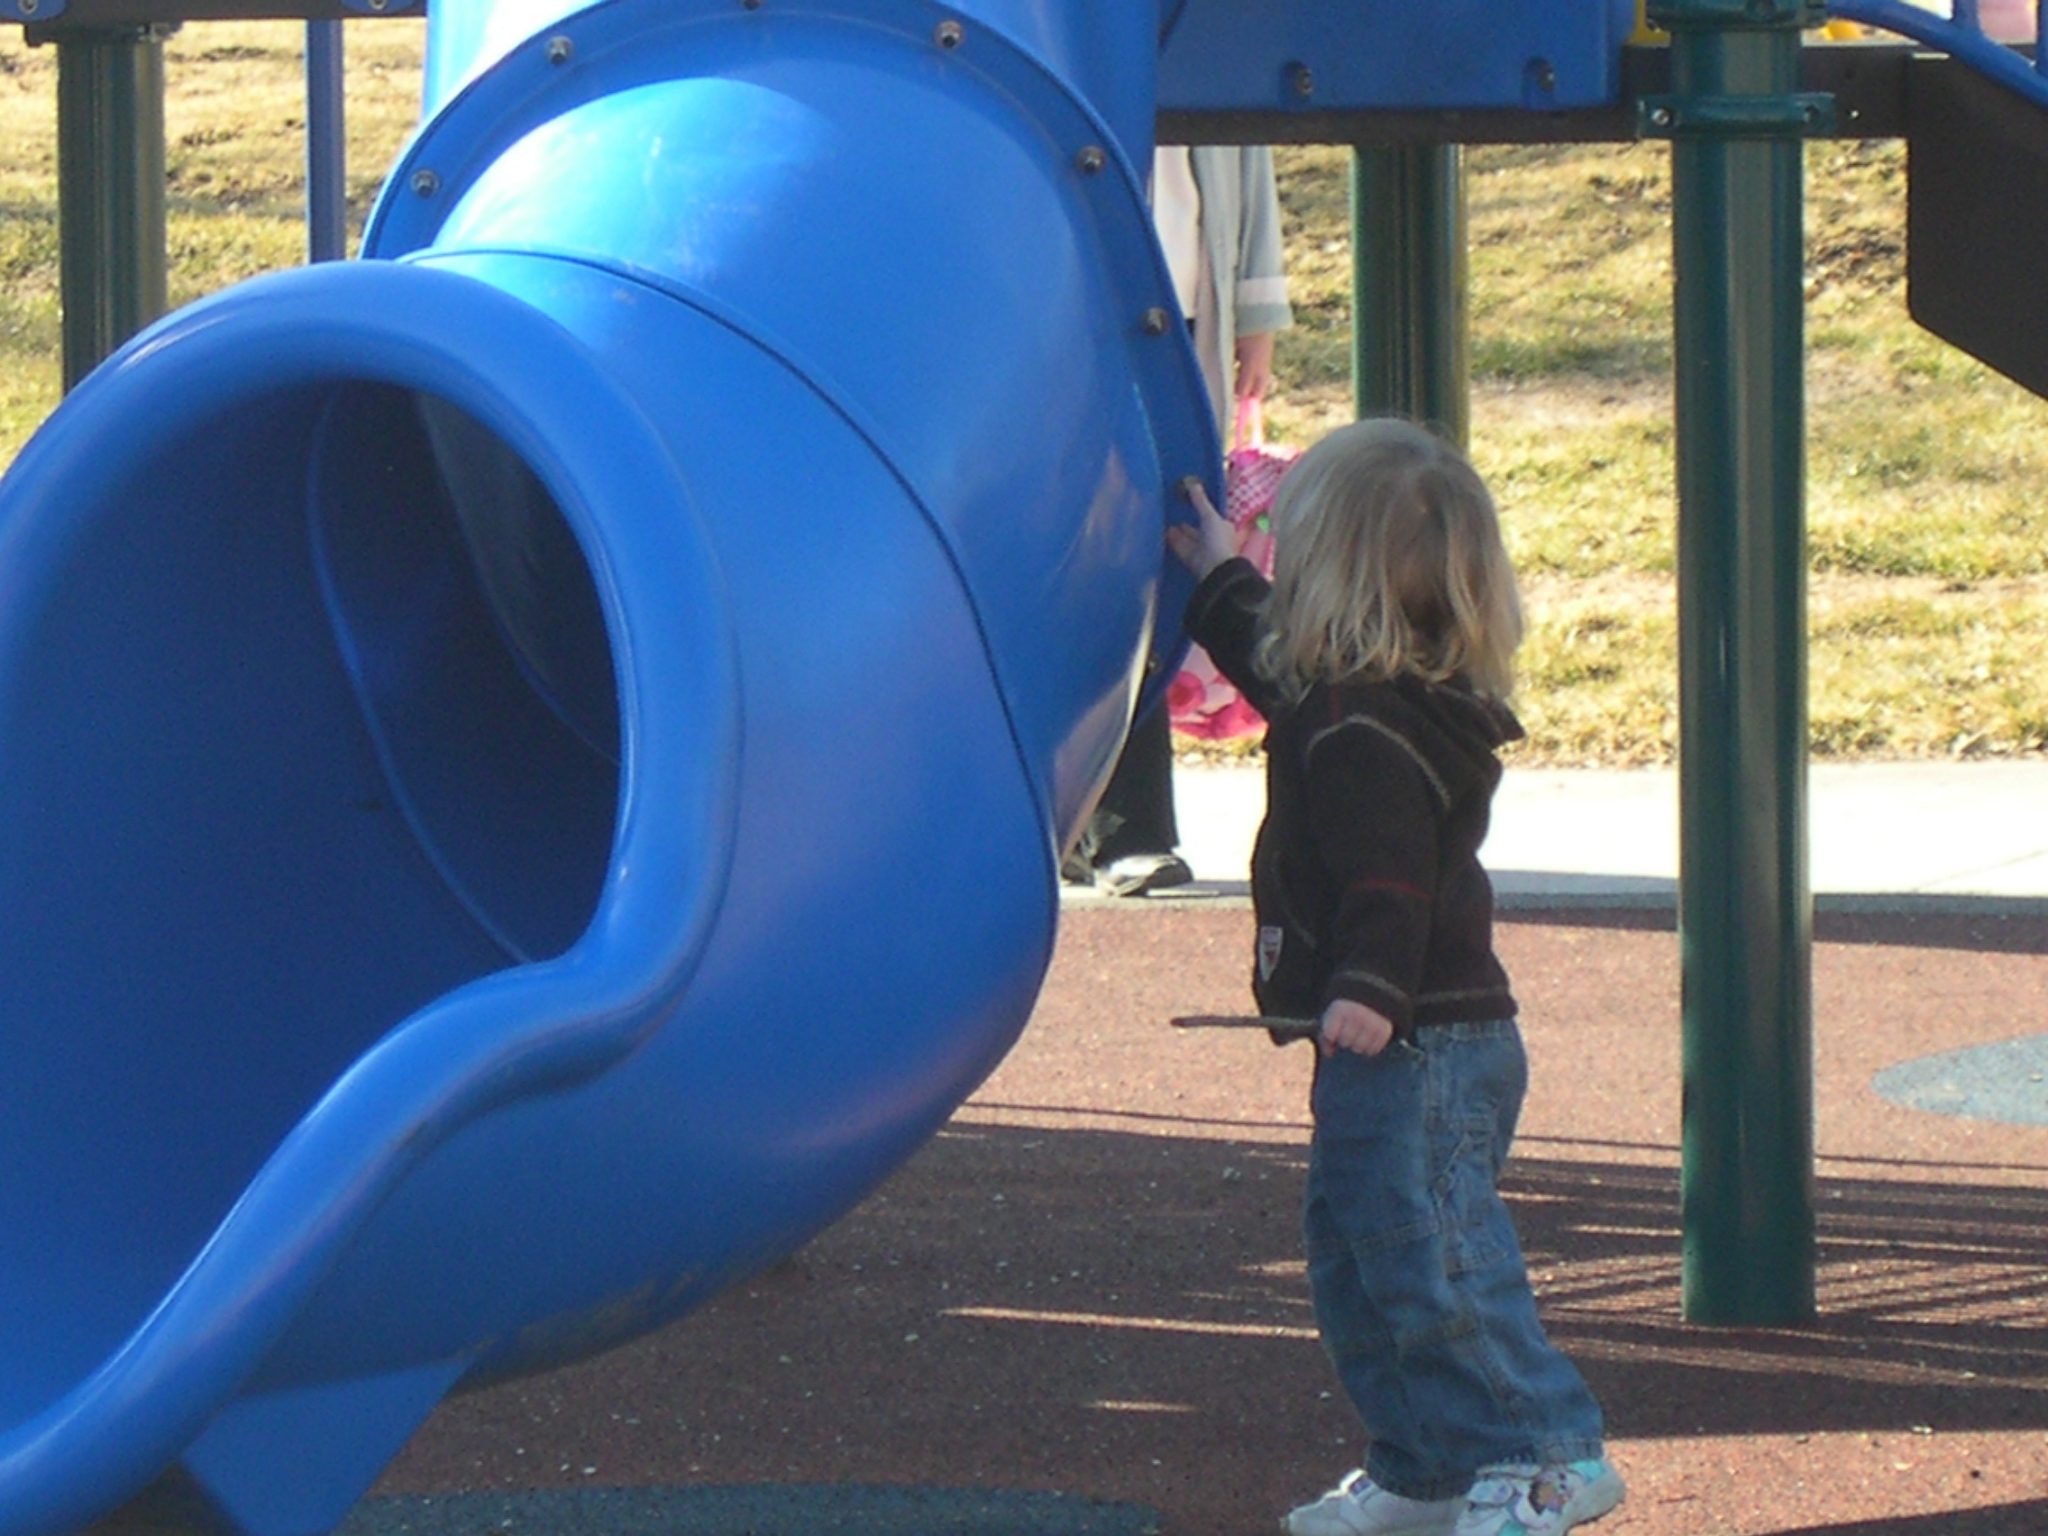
{"x": 532, "y": 764}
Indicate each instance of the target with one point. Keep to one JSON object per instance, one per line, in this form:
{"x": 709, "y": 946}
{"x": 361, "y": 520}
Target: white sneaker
{"x": 1358, "y": 1506}
{"x": 1136, "y": 874}
{"x": 1539, "y": 1501}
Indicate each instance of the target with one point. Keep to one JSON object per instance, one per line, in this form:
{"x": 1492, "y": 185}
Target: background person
{"x": 1217, "y": 210}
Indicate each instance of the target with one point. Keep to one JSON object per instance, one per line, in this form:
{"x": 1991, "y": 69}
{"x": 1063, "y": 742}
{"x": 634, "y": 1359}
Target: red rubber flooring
{"x": 1090, "y": 1284}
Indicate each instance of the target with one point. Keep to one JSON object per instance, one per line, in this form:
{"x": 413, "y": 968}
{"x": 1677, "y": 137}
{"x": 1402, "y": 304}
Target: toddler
{"x": 1382, "y": 655}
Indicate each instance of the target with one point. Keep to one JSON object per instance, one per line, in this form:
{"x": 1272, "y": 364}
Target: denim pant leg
{"x": 1420, "y": 1291}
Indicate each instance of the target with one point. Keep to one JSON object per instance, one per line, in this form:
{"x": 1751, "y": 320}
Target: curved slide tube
{"x": 532, "y": 766}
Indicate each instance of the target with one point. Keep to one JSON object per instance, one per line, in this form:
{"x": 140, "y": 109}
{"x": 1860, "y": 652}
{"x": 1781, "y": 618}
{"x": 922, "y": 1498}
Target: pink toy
{"x": 1202, "y": 702}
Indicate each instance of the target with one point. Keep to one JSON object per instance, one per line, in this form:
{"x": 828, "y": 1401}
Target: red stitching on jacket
{"x": 1401, "y": 887}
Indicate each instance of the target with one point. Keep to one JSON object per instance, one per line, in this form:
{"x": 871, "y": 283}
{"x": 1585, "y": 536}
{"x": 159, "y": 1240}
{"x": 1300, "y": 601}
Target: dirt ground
{"x": 1090, "y": 1283}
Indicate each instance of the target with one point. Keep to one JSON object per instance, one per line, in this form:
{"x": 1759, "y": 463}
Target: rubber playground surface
{"x": 1081, "y": 1308}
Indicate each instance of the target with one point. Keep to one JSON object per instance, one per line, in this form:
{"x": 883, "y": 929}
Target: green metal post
{"x": 1409, "y": 329}
{"x": 110, "y": 190}
{"x": 1737, "y": 122}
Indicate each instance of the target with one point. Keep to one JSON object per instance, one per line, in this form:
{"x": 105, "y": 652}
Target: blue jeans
{"x": 1420, "y": 1291}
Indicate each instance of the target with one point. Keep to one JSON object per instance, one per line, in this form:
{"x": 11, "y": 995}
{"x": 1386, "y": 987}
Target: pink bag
{"x": 1200, "y": 700}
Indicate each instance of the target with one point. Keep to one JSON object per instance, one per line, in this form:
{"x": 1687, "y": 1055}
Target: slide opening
{"x": 307, "y": 716}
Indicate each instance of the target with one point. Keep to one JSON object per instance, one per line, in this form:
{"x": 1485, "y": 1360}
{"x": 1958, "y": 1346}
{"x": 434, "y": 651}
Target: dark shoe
{"x": 1136, "y": 874}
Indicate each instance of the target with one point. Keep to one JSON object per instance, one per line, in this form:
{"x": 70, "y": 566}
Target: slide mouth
{"x": 322, "y": 702}
{"x": 469, "y": 624}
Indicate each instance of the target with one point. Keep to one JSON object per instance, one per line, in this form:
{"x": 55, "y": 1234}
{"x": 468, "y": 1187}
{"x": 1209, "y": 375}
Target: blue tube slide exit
{"x": 532, "y": 765}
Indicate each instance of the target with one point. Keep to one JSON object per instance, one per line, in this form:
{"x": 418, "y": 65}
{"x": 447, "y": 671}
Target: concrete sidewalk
{"x": 1932, "y": 835}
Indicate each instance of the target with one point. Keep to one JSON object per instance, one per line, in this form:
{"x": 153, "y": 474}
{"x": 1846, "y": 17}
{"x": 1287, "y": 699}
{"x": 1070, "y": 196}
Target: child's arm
{"x": 1226, "y": 614}
{"x": 1376, "y": 814}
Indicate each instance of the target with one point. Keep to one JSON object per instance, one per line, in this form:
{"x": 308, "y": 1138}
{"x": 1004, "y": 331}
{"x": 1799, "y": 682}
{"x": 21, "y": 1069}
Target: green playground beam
{"x": 1410, "y": 353}
{"x": 1737, "y": 122}
{"x": 110, "y": 190}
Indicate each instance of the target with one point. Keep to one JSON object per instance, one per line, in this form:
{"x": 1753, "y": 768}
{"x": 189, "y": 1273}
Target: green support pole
{"x": 1737, "y": 122}
{"x": 110, "y": 190}
{"x": 1409, "y": 347}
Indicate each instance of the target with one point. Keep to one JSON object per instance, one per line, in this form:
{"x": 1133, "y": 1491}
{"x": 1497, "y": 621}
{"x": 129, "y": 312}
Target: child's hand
{"x": 1349, "y": 1026}
{"x": 1211, "y": 540}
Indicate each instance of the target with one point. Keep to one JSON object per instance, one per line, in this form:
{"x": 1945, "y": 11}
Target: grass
{"x": 1928, "y": 533}
{"x": 234, "y": 130}
{"x": 1927, "y": 530}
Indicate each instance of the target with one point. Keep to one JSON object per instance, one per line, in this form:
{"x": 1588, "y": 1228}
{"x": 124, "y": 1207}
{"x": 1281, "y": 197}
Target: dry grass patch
{"x": 1927, "y": 669}
{"x": 235, "y": 150}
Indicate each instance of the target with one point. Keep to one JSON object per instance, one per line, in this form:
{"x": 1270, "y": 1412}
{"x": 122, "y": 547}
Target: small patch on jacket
{"x": 1270, "y": 939}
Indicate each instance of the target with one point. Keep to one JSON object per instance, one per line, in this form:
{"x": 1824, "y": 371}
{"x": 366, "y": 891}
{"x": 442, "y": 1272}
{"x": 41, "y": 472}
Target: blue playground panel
{"x": 532, "y": 766}
{"x": 1392, "y": 55}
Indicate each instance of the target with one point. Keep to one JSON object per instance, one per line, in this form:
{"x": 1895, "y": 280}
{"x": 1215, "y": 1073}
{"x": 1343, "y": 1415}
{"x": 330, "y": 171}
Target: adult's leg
{"x": 1136, "y": 813}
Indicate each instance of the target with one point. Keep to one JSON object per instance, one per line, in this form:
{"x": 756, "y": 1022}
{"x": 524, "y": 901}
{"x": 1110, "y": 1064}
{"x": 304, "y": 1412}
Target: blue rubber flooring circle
{"x": 757, "y": 1510}
{"x": 2006, "y": 1081}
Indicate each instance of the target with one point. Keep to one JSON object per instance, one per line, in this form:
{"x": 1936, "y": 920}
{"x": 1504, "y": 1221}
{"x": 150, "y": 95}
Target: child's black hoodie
{"x": 1366, "y": 877}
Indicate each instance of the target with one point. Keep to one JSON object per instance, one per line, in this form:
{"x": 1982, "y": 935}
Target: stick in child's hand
{"x": 1280, "y": 1028}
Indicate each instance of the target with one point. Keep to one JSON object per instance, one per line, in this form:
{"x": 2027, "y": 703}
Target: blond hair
{"x": 1388, "y": 560}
